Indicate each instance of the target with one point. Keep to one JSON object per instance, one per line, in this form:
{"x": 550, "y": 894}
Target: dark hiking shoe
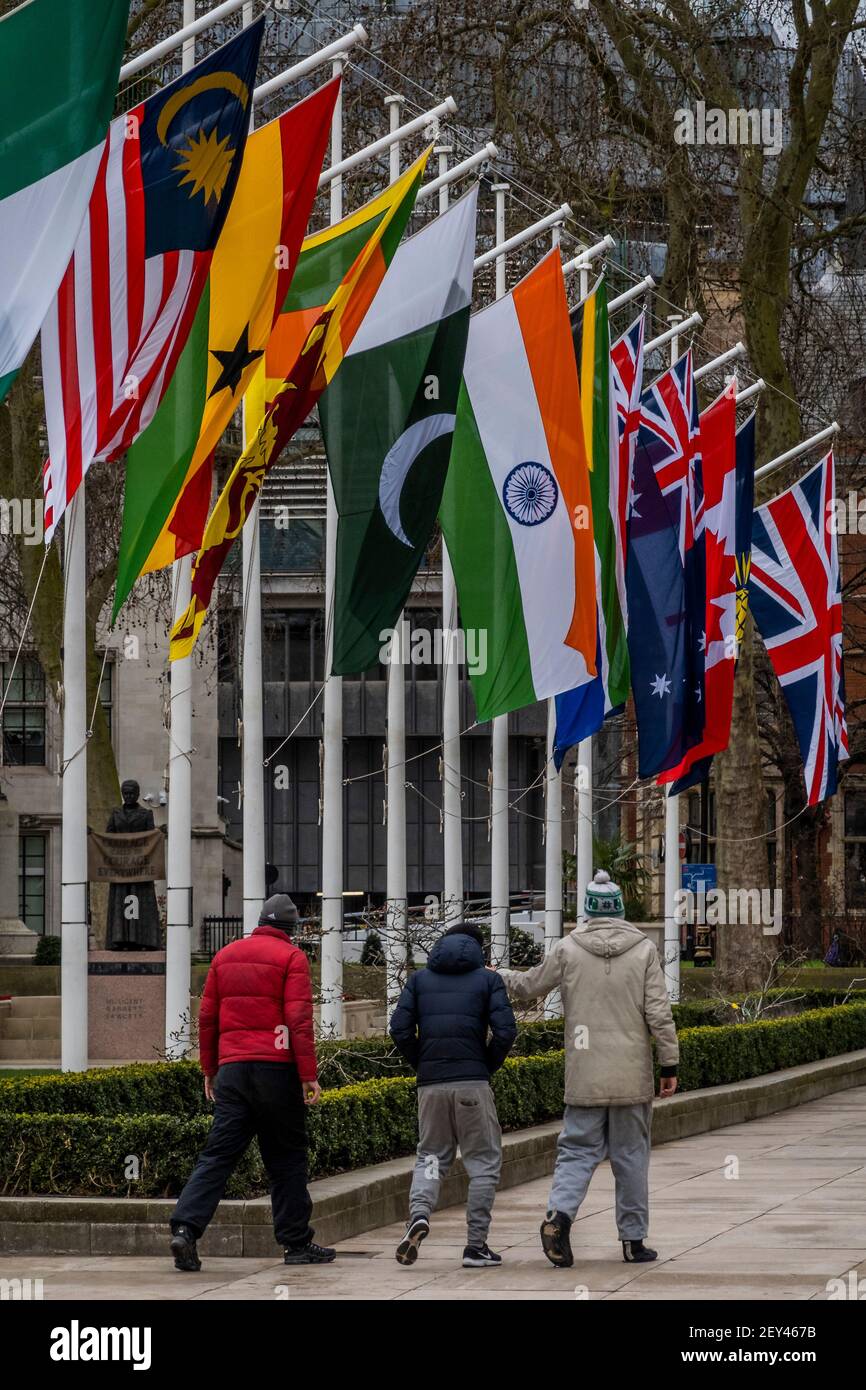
{"x": 555, "y": 1241}
{"x": 416, "y": 1231}
{"x": 309, "y": 1254}
{"x": 183, "y": 1247}
{"x": 480, "y": 1257}
{"x": 635, "y": 1252}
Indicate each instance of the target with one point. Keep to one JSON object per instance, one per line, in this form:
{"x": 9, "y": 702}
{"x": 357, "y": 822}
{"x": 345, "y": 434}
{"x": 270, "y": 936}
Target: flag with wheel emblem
{"x": 745, "y": 513}
{"x": 796, "y": 598}
{"x": 322, "y": 350}
{"x": 517, "y": 509}
{"x": 401, "y": 377}
{"x": 167, "y": 487}
{"x": 114, "y": 334}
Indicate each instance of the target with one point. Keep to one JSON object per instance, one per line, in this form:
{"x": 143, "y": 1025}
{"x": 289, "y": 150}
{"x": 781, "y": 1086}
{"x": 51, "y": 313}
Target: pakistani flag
{"x": 59, "y": 61}
{"x": 387, "y": 420}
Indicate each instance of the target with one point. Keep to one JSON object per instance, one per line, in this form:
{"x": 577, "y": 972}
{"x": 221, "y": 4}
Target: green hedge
{"x": 87, "y": 1154}
{"x": 175, "y": 1088}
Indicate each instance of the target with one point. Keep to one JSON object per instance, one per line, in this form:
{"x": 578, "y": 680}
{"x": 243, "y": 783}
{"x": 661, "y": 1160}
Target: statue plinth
{"x": 126, "y": 1006}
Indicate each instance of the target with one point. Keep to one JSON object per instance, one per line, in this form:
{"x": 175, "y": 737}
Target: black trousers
{"x": 260, "y": 1100}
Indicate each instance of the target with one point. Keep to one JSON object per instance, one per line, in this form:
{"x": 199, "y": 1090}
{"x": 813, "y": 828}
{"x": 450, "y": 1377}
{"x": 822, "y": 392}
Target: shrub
{"x": 373, "y": 954}
{"x": 47, "y": 951}
{"x": 86, "y": 1153}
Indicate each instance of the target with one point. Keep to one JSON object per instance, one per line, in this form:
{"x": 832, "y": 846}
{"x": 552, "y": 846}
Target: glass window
{"x": 106, "y": 694}
{"x": 31, "y": 881}
{"x": 24, "y": 714}
{"x": 855, "y": 849}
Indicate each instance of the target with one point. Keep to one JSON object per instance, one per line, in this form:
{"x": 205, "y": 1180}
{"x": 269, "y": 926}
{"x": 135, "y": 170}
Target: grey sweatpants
{"x": 591, "y": 1134}
{"x": 452, "y": 1114}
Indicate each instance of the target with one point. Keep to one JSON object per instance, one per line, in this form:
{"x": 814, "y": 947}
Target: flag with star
{"x": 168, "y": 469}
{"x": 127, "y": 301}
{"x": 664, "y": 678}
{"x": 320, "y": 354}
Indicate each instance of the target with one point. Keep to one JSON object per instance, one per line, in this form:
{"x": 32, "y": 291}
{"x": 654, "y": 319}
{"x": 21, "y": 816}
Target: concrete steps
{"x": 30, "y": 1029}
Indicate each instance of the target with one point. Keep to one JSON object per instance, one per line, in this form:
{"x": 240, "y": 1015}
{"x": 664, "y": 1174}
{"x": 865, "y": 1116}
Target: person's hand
{"x": 312, "y": 1092}
{"x": 208, "y": 1087}
{"x": 494, "y": 968}
{"x": 667, "y": 1086}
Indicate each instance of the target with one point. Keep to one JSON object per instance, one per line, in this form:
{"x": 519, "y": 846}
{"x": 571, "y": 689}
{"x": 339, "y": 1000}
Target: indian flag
{"x": 59, "y": 61}
{"x": 517, "y": 508}
{"x": 168, "y": 469}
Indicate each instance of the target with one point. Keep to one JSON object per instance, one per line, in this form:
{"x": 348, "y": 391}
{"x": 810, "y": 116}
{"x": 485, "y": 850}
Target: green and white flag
{"x": 387, "y": 419}
{"x": 59, "y": 62}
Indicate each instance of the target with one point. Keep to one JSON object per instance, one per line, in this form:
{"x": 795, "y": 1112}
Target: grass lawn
{"x": 28, "y": 1071}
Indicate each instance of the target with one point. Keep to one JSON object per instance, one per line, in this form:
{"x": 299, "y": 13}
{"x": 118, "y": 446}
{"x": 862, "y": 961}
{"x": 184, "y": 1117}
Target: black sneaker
{"x": 555, "y": 1241}
{"x": 309, "y": 1254}
{"x": 417, "y": 1230}
{"x": 635, "y": 1252}
{"x": 183, "y": 1247}
{"x": 480, "y": 1257}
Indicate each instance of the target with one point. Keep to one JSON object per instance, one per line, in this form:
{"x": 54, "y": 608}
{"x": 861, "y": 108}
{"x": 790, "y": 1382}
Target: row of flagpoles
{"x": 179, "y": 867}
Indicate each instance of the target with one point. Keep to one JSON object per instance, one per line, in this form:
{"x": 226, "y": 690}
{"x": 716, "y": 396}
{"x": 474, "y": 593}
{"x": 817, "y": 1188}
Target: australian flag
{"x": 665, "y": 573}
{"x": 796, "y": 599}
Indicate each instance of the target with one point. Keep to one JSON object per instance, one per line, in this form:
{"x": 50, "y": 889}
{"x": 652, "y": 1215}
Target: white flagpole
{"x": 332, "y": 750}
{"x": 553, "y": 818}
{"x": 73, "y": 876}
{"x": 396, "y": 914}
{"x": 452, "y": 829}
{"x": 500, "y": 898}
{"x": 252, "y": 695}
{"x": 583, "y": 771}
{"x": 798, "y": 450}
{"x": 672, "y": 803}
{"x": 178, "y": 869}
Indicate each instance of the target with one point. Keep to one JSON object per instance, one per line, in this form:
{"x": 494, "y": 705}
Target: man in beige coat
{"x": 613, "y": 995}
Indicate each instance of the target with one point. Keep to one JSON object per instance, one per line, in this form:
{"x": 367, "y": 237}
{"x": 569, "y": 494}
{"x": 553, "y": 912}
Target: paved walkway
{"x": 793, "y": 1217}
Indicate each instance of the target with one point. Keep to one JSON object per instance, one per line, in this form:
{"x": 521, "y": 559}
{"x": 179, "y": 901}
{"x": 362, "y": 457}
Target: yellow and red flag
{"x": 308, "y": 344}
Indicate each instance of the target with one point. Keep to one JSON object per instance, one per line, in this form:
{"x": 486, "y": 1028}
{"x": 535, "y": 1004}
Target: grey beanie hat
{"x": 279, "y": 911}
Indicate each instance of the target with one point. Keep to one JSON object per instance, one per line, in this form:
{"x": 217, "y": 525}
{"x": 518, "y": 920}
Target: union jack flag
{"x": 626, "y": 360}
{"x": 796, "y": 597}
{"x": 673, "y": 434}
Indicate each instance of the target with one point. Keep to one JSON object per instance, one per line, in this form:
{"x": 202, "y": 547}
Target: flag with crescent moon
{"x": 127, "y": 302}
{"x": 401, "y": 377}
{"x": 168, "y": 470}
{"x": 321, "y": 352}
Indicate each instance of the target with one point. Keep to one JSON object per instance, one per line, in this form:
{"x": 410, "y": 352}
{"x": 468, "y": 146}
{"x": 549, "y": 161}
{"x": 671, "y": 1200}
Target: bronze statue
{"x": 133, "y": 916}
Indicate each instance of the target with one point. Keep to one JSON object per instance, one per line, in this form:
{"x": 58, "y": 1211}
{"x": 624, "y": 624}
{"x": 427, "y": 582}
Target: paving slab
{"x": 793, "y": 1220}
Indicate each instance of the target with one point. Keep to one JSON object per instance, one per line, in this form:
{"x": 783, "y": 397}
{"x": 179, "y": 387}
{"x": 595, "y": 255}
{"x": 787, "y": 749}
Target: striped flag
{"x": 119, "y": 323}
{"x": 168, "y": 470}
{"x": 517, "y": 510}
{"x": 59, "y": 61}
{"x": 322, "y": 350}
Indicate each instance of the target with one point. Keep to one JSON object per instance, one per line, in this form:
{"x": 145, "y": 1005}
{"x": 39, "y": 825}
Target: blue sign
{"x": 698, "y": 878}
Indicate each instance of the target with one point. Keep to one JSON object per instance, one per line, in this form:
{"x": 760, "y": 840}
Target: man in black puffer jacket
{"x": 441, "y": 1026}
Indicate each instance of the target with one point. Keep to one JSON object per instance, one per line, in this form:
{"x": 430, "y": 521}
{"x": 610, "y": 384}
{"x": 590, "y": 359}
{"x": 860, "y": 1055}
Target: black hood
{"x": 455, "y": 955}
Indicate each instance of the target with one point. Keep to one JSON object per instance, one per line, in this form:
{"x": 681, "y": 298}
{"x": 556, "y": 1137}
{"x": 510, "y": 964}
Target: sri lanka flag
{"x": 59, "y": 61}
{"x": 319, "y": 355}
{"x": 122, "y": 315}
{"x": 168, "y": 469}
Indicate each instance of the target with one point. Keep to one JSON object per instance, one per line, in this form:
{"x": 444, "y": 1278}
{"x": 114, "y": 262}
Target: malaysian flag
{"x": 118, "y": 325}
{"x": 796, "y": 598}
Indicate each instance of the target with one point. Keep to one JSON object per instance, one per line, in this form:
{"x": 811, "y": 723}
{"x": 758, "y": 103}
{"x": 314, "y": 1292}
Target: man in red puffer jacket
{"x": 258, "y": 1056}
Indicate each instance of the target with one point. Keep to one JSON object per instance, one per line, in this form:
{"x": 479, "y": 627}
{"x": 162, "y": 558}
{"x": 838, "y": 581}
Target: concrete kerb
{"x": 349, "y": 1204}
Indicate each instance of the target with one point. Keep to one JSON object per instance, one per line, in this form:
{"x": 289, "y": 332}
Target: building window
{"x": 31, "y": 881}
{"x": 106, "y": 694}
{"x": 855, "y": 849}
{"x": 24, "y": 714}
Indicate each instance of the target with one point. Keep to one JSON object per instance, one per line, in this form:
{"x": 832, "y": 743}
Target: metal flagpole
{"x": 500, "y": 898}
{"x": 332, "y": 748}
{"x": 178, "y": 869}
{"x": 798, "y": 449}
{"x": 672, "y": 810}
{"x": 452, "y": 803}
{"x": 252, "y": 706}
{"x": 396, "y": 915}
{"x": 552, "y": 830}
{"x": 642, "y": 286}
{"x": 73, "y": 875}
{"x": 583, "y": 771}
